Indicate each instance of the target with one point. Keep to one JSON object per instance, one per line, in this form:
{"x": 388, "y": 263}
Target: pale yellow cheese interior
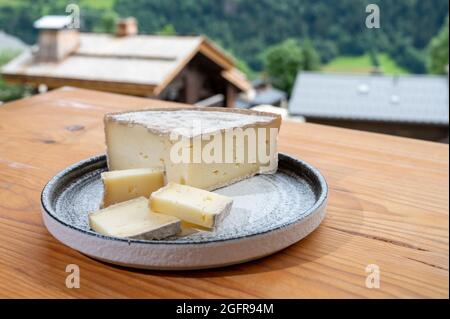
{"x": 190, "y": 204}
{"x": 135, "y": 146}
{"x": 123, "y": 185}
{"x": 133, "y": 219}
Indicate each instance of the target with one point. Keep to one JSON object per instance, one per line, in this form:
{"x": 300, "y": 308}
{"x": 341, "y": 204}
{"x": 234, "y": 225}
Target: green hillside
{"x": 363, "y": 64}
{"x": 248, "y": 27}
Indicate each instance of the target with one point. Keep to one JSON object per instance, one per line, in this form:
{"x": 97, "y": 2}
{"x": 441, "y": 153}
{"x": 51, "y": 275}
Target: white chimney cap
{"x": 53, "y": 22}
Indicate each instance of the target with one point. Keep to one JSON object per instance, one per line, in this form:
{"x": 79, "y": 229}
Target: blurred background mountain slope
{"x": 247, "y": 28}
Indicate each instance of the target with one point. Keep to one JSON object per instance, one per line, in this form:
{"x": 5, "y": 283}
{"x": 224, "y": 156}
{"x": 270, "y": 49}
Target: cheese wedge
{"x": 133, "y": 219}
{"x": 123, "y": 185}
{"x": 190, "y": 204}
{"x": 151, "y": 138}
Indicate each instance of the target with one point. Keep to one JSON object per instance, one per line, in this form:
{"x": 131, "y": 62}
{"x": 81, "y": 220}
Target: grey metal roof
{"x": 270, "y": 96}
{"x": 406, "y": 99}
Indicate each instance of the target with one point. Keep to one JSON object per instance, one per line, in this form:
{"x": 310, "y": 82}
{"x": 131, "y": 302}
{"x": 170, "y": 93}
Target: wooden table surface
{"x": 388, "y": 206}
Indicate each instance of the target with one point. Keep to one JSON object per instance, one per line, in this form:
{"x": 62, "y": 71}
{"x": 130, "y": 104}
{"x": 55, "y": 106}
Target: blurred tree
{"x": 107, "y": 23}
{"x": 406, "y": 55}
{"x": 311, "y": 59}
{"x": 374, "y": 57}
{"x": 413, "y": 60}
{"x": 282, "y": 63}
{"x": 242, "y": 66}
{"x": 168, "y": 29}
{"x": 438, "y": 51}
{"x": 326, "y": 49}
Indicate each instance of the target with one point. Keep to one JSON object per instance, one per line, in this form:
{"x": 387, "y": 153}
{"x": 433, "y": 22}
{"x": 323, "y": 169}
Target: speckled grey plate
{"x": 270, "y": 212}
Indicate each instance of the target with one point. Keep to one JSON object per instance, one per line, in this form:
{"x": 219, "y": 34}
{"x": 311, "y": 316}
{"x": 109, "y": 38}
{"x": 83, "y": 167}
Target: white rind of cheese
{"x": 120, "y": 186}
{"x": 133, "y": 219}
{"x": 190, "y": 204}
{"x": 141, "y": 139}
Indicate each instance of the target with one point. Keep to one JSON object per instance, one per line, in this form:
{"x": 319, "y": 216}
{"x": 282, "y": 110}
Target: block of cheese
{"x": 143, "y": 139}
{"x": 190, "y": 204}
{"x": 133, "y": 219}
{"x": 123, "y": 185}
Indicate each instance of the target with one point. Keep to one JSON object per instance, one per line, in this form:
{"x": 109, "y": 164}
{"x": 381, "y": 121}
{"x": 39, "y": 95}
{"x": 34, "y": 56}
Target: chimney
{"x": 126, "y": 27}
{"x": 56, "y": 40}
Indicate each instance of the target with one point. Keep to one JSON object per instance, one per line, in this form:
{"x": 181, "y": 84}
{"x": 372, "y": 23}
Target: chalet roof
{"x": 271, "y": 96}
{"x": 406, "y": 99}
{"x": 268, "y": 96}
{"x": 150, "y": 61}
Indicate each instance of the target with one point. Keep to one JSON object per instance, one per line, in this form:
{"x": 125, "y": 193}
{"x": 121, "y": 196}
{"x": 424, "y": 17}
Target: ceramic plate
{"x": 269, "y": 213}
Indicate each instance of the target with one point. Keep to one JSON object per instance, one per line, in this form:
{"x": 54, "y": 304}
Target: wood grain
{"x": 388, "y": 206}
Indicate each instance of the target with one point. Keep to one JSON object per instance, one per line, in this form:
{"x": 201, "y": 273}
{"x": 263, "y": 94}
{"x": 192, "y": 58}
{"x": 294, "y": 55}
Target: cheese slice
{"x": 133, "y": 219}
{"x": 123, "y": 185}
{"x": 190, "y": 204}
{"x": 142, "y": 139}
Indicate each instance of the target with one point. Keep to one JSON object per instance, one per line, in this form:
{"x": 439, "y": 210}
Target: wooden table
{"x": 388, "y": 206}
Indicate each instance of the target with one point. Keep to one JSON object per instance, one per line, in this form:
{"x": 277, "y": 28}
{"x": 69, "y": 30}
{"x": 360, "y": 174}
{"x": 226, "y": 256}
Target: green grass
{"x": 6, "y": 56}
{"x": 8, "y": 91}
{"x": 363, "y": 64}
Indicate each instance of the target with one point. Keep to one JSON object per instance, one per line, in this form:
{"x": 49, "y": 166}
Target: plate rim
{"x": 46, "y": 205}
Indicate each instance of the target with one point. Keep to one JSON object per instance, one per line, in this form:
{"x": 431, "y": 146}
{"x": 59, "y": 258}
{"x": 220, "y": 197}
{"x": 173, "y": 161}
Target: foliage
{"x": 364, "y": 64}
{"x": 311, "y": 59}
{"x": 327, "y": 50}
{"x": 242, "y": 66}
{"x": 438, "y": 51}
{"x": 282, "y": 63}
{"x": 10, "y": 92}
{"x": 247, "y": 27}
{"x": 97, "y": 4}
{"x": 168, "y": 29}
{"x": 389, "y": 66}
{"x": 107, "y": 23}
{"x": 373, "y": 54}
{"x": 409, "y": 57}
